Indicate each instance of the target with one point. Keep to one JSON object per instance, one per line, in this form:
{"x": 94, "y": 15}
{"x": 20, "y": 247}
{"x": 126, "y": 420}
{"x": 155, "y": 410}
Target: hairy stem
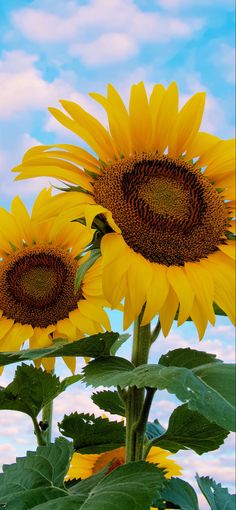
{"x": 135, "y": 396}
{"x": 47, "y": 421}
{"x": 38, "y": 433}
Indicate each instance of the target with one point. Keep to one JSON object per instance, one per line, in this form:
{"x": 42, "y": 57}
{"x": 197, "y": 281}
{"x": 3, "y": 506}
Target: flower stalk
{"x": 138, "y": 401}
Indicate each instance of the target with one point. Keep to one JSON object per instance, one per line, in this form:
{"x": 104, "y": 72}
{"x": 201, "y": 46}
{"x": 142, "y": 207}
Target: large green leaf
{"x": 206, "y": 389}
{"x": 217, "y": 496}
{"x": 180, "y": 493}
{"x": 37, "y": 477}
{"x": 132, "y": 485}
{"x": 190, "y": 430}
{"x": 109, "y": 401}
{"x": 31, "y": 389}
{"x": 92, "y": 346}
{"x": 92, "y": 435}
{"x": 188, "y": 358}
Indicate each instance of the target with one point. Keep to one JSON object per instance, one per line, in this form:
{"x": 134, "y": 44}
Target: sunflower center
{"x": 165, "y": 207}
{"x": 37, "y": 286}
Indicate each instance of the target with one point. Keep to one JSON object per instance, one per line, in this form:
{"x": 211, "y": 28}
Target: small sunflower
{"x": 85, "y": 465}
{"x": 167, "y": 193}
{"x": 38, "y": 264}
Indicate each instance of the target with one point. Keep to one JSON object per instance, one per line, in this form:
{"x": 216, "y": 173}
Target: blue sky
{"x": 53, "y": 49}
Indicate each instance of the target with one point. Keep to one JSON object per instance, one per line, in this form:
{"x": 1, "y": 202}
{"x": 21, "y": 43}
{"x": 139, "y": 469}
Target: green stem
{"x": 47, "y": 420}
{"x": 135, "y": 396}
{"x": 155, "y": 332}
{"x": 38, "y": 433}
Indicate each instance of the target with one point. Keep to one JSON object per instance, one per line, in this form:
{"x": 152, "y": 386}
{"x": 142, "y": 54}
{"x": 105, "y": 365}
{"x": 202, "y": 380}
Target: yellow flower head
{"x": 83, "y": 466}
{"x": 167, "y": 192}
{"x": 38, "y": 264}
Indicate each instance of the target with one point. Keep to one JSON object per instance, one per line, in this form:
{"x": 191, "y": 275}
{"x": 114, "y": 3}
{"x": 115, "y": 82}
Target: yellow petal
{"x": 22, "y": 219}
{"x": 202, "y": 285}
{"x": 84, "y": 323}
{"x": 53, "y": 167}
{"x": 186, "y": 125}
{"x": 216, "y": 151}
{"x": 41, "y": 337}
{"x": 183, "y": 290}
{"x": 66, "y": 328}
{"x": 200, "y": 144}
{"x": 156, "y": 293}
{"x": 138, "y": 278}
{"x": 140, "y": 118}
{"x": 199, "y": 317}
{"x": 222, "y": 270}
{"x": 99, "y": 315}
{"x": 15, "y": 337}
{"x": 118, "y": 126}
{"x": 81, "y": 131}
{"x": 48, "y": 364}
{"x": 166, "y": 117}
{"x": 70, "y": 361}
{"x": 91, "y": 125}
{"x": 5, "y": 326}
{"x": 9, "y": 228}
{"x": 168, "y": 311}
{"x": 155, "y": 103}
{"x": 229, "y": 248}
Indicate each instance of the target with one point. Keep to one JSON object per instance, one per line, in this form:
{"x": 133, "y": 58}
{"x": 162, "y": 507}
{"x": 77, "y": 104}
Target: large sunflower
{"x": 167, "y": 193}
{"x": 38, "y": 265}
{"x": 85, "y": 465}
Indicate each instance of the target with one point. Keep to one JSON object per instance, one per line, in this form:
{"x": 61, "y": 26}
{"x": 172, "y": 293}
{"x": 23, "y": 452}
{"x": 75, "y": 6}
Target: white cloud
{"x": 109, "y": 48}
{"x": 101, "y": 32}
{"x": 224, "y": 60}
{"x": 23, "y": 87}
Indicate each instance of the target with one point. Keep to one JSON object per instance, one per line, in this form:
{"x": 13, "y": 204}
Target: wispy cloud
{"x": 96, "y": 31}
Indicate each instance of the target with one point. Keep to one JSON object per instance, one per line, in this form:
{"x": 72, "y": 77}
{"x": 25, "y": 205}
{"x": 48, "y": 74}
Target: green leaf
{"x": 31, "y": 389}
{"x": 36, "y": 478}
{"x": 180, "y": 493}
{"x": 68, "y": 381}
{"x": 190, "y": 430}
{"x": 92, "y": 347}
{"x": 83, "y": 268}
{"x": 92, "y": 435}
{"x": 207, "y": 389}
{"x": 109, "y": 371}
{"x": 109, "y": 401}
{"x": 154, "y": 430}
{"x": 217, "y": 496}
{"x": 188, "y": 358}
{"x": 118, "y": 343}
{"x": 132, "y": 485}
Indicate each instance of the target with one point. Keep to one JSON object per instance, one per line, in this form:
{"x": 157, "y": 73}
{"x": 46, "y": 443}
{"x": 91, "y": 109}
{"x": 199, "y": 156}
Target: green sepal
{"x": 83, "y": 268}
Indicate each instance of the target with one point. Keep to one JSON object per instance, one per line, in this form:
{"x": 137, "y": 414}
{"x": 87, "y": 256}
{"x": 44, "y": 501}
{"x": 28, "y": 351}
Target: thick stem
{"x": 135, "y": 396}
{"x": 38, "y": 433}
{"x": 155, "y": 332}
{"x": 47, "y": 421}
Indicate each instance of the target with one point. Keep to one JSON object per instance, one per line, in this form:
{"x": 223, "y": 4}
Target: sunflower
{"x": 85, "y": 465}
{"x": 38, "y": 264}
{"x": 166, "y": 191}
